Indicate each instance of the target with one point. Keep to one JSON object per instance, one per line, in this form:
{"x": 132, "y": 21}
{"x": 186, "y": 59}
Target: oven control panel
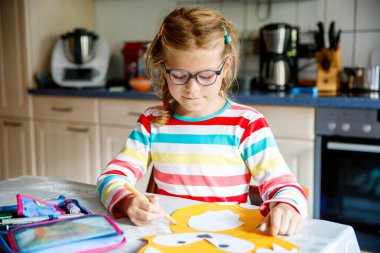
{"x": 363, "y": 123}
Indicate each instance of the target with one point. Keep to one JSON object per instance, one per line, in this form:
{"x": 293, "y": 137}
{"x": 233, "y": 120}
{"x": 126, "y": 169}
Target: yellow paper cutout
{"x": 248, "y": 231}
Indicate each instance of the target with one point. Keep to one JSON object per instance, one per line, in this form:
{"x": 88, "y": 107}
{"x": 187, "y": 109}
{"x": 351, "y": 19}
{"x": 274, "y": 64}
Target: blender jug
{"x": 79, "y": 45}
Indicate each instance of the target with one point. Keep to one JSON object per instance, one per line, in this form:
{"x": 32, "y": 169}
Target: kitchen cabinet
{"x": 67, "y": 151}
{"x": 67, "y": 138}
{"x": 293, "y": 128}
{"x": 15, "y": 147}
{"x": 118, "y": 118}
{"x": 13, "y": 60}
{"x": 16, "y": 150}
{"x": 27, "y": 35}
{"x": 76, "y": 137}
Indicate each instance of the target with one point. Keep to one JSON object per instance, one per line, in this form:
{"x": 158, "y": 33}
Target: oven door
{"x": 349, "y": 187}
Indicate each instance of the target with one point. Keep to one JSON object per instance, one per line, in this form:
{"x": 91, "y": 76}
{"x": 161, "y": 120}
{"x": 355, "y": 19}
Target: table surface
{"x": 316, "y": 235}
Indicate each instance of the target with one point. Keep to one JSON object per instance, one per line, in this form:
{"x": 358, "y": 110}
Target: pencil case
{"x": 90, "y": 233}
{"x": 29, "y": 206}
{"x": 60, "y": 230}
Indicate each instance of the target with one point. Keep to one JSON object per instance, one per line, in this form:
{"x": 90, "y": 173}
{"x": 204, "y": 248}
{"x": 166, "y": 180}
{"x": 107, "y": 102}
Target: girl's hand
{"x": 283, "y": 219}
{"x": 140, "y": 211}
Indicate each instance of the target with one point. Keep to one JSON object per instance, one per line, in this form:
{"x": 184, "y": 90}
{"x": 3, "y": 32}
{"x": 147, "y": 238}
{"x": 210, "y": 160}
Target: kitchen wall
{"x": 130, "y": 20}
{"x": 46, "y": 21}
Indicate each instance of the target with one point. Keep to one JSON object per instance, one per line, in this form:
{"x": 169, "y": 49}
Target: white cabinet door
{"x": 289, "y": 121}
{"x": 293, "y": 128}
{"x": 68, "y": 151}
{"x": 118, "y": 118}
{"x": 113, "y": 140}
{"x": 118, "y": 112}
{"x": 299, "y": 155}
{"x": 16, "y": 148}
{"x": 13, "y": 60}
{"x": 66, "y": 109}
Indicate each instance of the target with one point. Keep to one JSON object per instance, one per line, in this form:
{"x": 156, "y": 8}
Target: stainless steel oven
{"x": 347, "y": 171}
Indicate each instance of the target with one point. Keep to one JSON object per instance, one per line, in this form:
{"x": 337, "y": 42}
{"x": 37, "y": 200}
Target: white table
{"x": 316, "y": 235}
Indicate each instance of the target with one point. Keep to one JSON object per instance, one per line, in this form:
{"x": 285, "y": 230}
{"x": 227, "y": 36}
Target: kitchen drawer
{"x": 290, "y": 121}
{"x": 123, "y": 112}
{"x": 66, "y": 108}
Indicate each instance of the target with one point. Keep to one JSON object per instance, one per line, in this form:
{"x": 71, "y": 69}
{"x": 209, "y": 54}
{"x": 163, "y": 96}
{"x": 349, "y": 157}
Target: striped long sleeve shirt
{"x": 210, "y": 159}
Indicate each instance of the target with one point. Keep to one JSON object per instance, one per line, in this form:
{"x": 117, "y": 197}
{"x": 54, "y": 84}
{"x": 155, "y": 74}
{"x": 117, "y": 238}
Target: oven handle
{"x": 353, "y": 147}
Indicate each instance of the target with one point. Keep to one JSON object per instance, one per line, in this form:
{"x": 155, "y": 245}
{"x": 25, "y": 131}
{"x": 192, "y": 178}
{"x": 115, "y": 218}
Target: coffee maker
{"x": 278, "y": 56}
{"x": 80, "y": 59}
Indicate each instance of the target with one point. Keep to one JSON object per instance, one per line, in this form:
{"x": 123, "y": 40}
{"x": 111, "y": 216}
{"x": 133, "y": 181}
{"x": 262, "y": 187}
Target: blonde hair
{"x": 185, "y": 29}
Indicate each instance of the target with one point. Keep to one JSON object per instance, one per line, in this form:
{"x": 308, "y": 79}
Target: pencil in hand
{"x": 139, "y": 194}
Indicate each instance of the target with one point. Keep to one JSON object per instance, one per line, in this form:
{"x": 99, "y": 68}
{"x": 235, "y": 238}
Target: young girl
{"x": 202, "y": 146}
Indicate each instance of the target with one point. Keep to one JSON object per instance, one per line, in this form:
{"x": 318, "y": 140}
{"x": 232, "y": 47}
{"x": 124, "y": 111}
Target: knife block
{"x": 328, "y": 78}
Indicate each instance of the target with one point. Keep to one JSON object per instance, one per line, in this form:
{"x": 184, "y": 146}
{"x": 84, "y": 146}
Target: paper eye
{"x": 229, "y": 243}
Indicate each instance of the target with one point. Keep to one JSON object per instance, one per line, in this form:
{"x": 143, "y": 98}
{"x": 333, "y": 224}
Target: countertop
{"x": 345, "y": 100}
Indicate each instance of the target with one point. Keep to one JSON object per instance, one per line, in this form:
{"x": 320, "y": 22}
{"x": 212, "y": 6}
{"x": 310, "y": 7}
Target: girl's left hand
{"x": 283, "y": 219}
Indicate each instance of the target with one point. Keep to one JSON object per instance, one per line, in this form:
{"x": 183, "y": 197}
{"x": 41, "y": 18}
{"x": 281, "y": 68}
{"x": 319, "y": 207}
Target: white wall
{"x": 46, "y": 20}
{"x": 133, "y": 20}
{"x": 128, "y": 20}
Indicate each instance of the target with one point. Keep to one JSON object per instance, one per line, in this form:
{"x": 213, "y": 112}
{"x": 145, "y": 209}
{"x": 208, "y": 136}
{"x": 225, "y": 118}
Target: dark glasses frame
{"x": 196, "y": 75}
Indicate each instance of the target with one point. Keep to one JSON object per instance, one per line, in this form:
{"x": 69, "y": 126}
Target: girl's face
{"x": 194, "y": 99}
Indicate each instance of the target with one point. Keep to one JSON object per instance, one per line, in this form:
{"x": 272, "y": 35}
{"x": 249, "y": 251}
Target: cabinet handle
{"x": 134, "y": 114}
{"x": 61, "y": 109}
{"x": 78, "y": 129}
{"x": 12, "y": 123}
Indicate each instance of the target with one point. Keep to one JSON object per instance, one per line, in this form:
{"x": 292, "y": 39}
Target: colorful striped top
{"x": 210, "y": 159}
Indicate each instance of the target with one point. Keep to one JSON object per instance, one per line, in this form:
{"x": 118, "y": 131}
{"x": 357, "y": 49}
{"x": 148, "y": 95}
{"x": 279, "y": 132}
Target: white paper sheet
{"x": 215, "y": 221}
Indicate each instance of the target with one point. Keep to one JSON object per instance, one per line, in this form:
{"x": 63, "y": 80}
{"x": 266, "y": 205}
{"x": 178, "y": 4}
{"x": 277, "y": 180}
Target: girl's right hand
{"x": 140, "y": 211}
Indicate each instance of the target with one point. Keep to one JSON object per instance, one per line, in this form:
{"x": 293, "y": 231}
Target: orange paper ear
{"x": 241, "y": 233}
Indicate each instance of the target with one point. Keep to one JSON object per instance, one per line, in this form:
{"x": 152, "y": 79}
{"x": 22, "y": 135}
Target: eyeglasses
{"x": 205, "y": 77}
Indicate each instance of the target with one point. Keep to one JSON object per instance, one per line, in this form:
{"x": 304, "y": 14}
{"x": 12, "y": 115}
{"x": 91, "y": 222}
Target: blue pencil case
{"x": 58, "y": 232}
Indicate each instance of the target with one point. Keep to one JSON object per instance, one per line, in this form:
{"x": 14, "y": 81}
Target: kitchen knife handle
{"x": 337, "y": 39}
{"x": 321, "y": 33}
{"x": 332, "y": 35}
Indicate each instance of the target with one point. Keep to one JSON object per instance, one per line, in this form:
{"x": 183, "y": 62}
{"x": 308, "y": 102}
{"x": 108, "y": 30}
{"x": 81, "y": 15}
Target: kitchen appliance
{"x": 133, "y": 54}
{"x": 363, "y": 78}
{"x": 347, "y": 171}
{"x": 80, "y": 59}
{"x": 278, "y": 56}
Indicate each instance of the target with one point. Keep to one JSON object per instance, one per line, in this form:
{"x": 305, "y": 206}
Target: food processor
{"x": 80, "y": 59}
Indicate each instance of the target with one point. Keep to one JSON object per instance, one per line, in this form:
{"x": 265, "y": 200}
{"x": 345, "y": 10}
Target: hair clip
{"x": 159, "y": 34}
{"x": 227, "y": 37}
